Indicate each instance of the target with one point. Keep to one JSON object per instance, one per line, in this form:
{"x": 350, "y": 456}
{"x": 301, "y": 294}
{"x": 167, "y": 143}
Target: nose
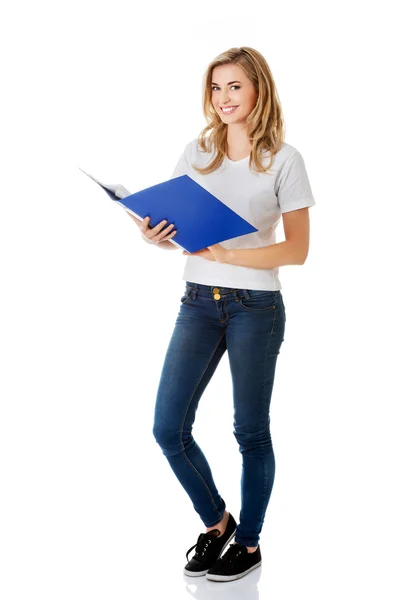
{"x": 224, "y": 98}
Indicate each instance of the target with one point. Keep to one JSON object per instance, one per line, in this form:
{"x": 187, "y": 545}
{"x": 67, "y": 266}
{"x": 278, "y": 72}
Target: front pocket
{"x": 186, "y": 295}
{"x": 259, "y": 301}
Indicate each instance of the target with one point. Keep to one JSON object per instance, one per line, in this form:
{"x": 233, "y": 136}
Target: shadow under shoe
{"x": 209, "y": 547}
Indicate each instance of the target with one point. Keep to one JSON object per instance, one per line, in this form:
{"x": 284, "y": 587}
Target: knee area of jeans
{"x": 259, "y": 442}
{"x": 168, "y": 440}
{"x": 251, "y": 436}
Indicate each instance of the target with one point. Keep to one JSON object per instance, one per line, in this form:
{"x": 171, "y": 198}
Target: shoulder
{"x": 282, "y": 159}
{"x": 285, "y": 155}
{"x": 192, "y": 148}
{"x": 288, "y": 160}
{"x": 194, "y": 153}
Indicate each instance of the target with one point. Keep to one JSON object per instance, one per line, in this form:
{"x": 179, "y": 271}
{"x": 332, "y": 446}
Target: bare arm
{"x": 293, "y": 251}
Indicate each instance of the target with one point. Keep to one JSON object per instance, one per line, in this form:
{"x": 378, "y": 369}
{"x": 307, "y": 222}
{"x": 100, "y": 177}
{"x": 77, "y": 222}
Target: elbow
{"x": 302, "y": 254}
{"x": 298, "y": 253}
{"x": 302, "y": 259}
{"x": 299, "y": 259}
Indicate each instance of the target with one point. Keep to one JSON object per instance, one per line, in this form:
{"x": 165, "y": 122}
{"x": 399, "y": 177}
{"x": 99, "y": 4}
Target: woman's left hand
{"x": 216, "y": 252}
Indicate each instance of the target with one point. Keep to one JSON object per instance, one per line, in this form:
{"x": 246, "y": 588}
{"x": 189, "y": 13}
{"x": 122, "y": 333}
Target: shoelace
{"x": 203, "y": 542}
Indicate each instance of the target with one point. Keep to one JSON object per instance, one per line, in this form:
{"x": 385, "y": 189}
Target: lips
{"x": 233, "y": 108}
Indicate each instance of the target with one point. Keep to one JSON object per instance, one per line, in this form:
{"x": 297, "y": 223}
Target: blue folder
{"x": 199, "y": 217}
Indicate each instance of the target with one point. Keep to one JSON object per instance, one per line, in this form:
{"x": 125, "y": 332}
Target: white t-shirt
{"x": 260, "y": 198}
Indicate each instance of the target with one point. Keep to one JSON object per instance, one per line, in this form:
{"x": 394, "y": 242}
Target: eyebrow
{"x": 228, "y": 83}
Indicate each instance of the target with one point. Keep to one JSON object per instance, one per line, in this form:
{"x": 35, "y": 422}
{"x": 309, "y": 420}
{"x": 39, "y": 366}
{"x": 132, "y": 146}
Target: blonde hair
{"x": 265, "y": 124}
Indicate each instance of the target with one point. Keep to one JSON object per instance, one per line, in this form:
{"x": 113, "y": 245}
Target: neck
{"x": 238, "y": 139}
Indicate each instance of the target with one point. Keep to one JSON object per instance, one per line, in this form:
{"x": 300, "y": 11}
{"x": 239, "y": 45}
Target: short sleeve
{"x": 294, "y": 190}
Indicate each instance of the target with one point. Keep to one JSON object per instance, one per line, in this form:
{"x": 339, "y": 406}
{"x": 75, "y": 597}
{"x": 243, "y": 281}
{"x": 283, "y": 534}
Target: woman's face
{"x": 230, "y": 86}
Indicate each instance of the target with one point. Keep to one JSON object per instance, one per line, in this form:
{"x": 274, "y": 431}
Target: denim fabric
{"x": 250, "y": 324}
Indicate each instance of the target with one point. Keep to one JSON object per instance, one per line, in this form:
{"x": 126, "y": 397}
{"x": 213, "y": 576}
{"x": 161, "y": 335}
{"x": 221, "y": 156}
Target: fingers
{"x": 155, "y": 234}
{"x": 145, "y": 224}
{"x": 167, "y": 237}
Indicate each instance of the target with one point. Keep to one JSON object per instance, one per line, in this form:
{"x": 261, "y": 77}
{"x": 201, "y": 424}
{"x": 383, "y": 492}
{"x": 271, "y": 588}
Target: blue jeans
{"x": 250, "y": 324}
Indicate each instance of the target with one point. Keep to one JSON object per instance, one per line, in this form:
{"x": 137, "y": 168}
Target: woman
{"x": 233, "y": 302}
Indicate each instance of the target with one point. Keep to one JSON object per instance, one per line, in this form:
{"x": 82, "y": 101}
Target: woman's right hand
{"x": 154, "y": 235}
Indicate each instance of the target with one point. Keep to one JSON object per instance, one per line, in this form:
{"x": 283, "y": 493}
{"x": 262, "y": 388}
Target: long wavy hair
{"x": 265, "y": 124}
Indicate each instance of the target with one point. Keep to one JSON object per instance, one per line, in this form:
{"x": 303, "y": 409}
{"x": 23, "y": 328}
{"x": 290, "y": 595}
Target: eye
{"x": 216, "y": 86}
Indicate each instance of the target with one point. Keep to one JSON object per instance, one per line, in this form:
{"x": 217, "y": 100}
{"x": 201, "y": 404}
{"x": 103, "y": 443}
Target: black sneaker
{"x": 209, "y": 547}
{"x": 235, "y": 563}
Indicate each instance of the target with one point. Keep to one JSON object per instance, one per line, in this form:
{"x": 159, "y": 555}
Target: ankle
{"x": 221, "y": 526}
{"x": 250, "y": 549}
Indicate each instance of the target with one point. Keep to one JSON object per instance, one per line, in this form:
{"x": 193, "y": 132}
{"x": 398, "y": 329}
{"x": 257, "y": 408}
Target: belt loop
{"x": 246, "y": 294}
{"x": 195, "y": 291}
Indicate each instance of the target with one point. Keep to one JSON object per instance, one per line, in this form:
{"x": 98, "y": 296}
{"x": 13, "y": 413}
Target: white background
{"x": 89, "y": 507}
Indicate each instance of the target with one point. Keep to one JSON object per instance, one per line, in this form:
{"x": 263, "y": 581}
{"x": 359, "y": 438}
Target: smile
{"x": 228, "y": 110}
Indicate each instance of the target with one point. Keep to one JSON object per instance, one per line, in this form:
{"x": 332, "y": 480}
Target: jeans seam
{"x": 187, "y": 408}
{"x": 265, "y": 479}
